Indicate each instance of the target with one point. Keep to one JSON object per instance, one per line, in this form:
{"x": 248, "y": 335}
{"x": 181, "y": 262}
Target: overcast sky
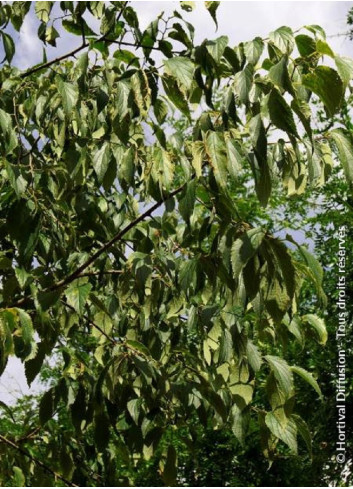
{"x": 240, "y": 21}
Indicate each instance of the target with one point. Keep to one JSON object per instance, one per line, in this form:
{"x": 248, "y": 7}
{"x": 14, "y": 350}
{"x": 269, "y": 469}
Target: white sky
{"x": 240, "y": 21}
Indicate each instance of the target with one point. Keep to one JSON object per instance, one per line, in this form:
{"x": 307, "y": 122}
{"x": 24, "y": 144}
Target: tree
{"x": 133, "y": 250}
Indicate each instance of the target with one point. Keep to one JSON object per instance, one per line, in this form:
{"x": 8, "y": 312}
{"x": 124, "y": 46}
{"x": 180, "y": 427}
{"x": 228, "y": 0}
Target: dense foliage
{"x": 145, "y": 201}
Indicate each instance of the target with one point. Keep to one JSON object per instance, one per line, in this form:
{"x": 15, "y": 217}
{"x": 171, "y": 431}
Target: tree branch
{"x": 36, "y": 461}
{"x": 72, "y": 276}
{"x": 53, "y": 61}
{"x": 118, "y": 237}
{"x": 71, "y": 53}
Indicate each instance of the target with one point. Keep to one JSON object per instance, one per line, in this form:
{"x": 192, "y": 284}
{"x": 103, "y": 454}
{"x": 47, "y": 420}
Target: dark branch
{"x": 36, "y": 461}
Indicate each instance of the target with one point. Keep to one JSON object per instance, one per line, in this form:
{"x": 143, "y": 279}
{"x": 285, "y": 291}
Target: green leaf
{"x": 216, "y": 151}
{"x": 22, "y": 277}
{"x": 240, "y": 422}
{"x": 245, "y": 248}
{"x": 69, "y": 94}
{"x": 42, "y": 10}
{"x": 225, "y": 347}
{"x": 300, "y": 107}
{"x": 278, "y": 74}
{"x": 33, "y": 366}
{"x": 327, "y": 85}
{"x": 344, "y": 67}
{"x": 307, "y": 376}
{"x": 243, "y": 83}
{"x": 51, "y": 35}
{"x": 306, "y": 45}
{"x": 182, "y": 69}
{"x": 48, "y": 299}
{"x": 11, "y": 142}
{"x": 323, "y": 48}
{"x": 285, "y": 263}
{"x": 187, "y": 201}
{"x": 18, "y": 478}
{"x": 136, "y": 345}
{"x": 160, "y": 110}
{"x": 282, "y": 373}
{"x": 313, "y": 264}
{"x": 283, "y": 39}
{"x": 285, "y": 431}
{"x": 18, "y": 183}
{"x": 280, "y": 113}
{"x": 253, "y": 50}
{"x": 318, "y": 325}
{"x": 77, "y": 28}
{"x": 216, "y": 48}
{"x": 26, "y": 325}
{"x": 212, "y": 8}
{"x": 46, "y": 407}
{"x": 9, "y": 46}
{"x": 163, "y": 168}
{"x": 258, "y": 137}
{"x": 253, "y": 356}
{"x": 304, "y": 432}
{"x": 234, "y": 159}
{"x": 187, "y": 6}
{"x": 141, "y": 91}
{"x": 175, "y": 95}
{"x": 101, "y": 159}
{"x": 317, "y": 30}
{"x": 101, "y": 431}
{"x": 134, "y": 408}
{"x": 77, "y": 294}
{"x": 344, "y": 143}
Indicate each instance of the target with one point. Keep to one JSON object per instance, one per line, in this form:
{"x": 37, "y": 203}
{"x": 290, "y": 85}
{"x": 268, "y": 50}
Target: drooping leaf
{"x": 281, "y": 372}
{"x": 69, "y": 94}
{"x": 344, "y": 67}
{"x": 212, "y": 8}
{"x": 46, "y": 406}
{"x": 327, "y": 85}
{"x": 344, "y": 145}
{"x": 307, "y": 376}
{"x": 280, "y": 113}
{"x": 216, "y": 151}
{"x": 9, "y": 46}
{"x": 278, "y": 74}
{"x": 254, "y": 356}
{"x": 101, "y": 160}
{"x": 244, "y": 248}
{"x": 243, "y": 82}
{"x": 304, "y": 432}
{"x": 318, "y": 325}
{"x": 187, "y": 201}
{"x": 285, "y": 431}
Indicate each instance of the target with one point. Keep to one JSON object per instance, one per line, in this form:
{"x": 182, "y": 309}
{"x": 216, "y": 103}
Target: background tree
{"x": 173, "y": 303}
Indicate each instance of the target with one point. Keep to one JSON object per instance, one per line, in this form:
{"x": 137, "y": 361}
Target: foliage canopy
{"x": 130, "y": 248}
